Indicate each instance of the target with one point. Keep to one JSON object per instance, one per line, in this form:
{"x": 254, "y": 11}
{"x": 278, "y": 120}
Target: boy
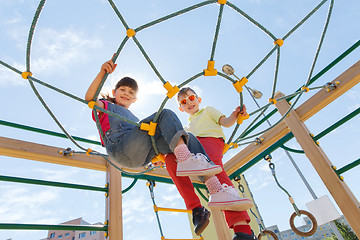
{"x": 206, "y": 124}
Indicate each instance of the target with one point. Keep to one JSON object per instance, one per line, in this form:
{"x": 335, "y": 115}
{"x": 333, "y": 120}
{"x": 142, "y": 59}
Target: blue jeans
{"x": 134, "y": 148}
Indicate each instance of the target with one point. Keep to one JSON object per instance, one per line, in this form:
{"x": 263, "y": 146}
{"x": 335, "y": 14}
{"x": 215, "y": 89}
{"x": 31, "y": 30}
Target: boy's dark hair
{"x": 125, "y": 81}
{"x": 183, "y": 91}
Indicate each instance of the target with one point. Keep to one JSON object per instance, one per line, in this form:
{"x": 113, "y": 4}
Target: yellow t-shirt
{"x": 205, "y": 123}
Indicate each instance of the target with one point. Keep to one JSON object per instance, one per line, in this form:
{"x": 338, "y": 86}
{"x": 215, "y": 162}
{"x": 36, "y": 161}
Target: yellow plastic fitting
{"x": 150, "y": 127}
{"x": 272, "y": 101}
{"x": 239, "y": 84}
{"x": 106, "y": 234}
{"x": 172, "y": 90}
{"x": 159, "y": 158}
{"x": 341, "y": 178}
{"x": 222, "y": 1}
{"x": 25, "y": 75}
{"x": 241, "y": 118}
{"x": 333, "y": 167}
{"x": 210, "y": 71}
{"x": 130, "y": 32}
{"x": 106, "y": 194}
{"x": 226, "y": 148}
{"x": 92, "y": 104}
{"x": 106, "y": 223}
{"x": 305, "y": 88}
{"x": 156, "y": 208}
{"x": 279, "y": 42}
{"x": 88, "y": 151}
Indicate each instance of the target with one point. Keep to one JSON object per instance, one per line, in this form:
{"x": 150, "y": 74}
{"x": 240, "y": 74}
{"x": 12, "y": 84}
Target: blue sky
{"x": 72, "y": 40}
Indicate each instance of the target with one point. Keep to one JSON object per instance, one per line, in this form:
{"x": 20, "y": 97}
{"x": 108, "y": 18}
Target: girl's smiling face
{"x": 124, "y": 96}
{"x": 189, "y": 102}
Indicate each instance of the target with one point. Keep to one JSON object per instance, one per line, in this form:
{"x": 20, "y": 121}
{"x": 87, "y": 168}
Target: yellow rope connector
{"x": 156, "y": 208}
{"x": 130, "y": 32}
{"x": 172, "y": 90}
{"x": 25, "y": 75}
{"x": 227, "y": 146}
{"x": 272, "y": 101}
{"x": 150, "y": 127}
{"x": 305, "y": 88}
{"x": 241, "y": 118}
{"x": 92, "y": 104}
{"x": 279, "y": 42}
{"x": 222, "y": 1}
{"x": 88, "y": 151}
{"x": 239, "y": 84}
{"x": 159, "y": 158}
{"x": 210, "y": 71}
{"x": 148, "y": 184}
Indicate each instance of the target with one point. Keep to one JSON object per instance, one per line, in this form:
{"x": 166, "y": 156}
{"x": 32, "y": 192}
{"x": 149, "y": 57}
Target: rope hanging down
{"x": 297, "y": 211}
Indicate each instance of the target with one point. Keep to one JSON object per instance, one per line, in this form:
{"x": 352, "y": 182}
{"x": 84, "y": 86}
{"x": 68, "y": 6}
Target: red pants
{"x": 214, "y": 148}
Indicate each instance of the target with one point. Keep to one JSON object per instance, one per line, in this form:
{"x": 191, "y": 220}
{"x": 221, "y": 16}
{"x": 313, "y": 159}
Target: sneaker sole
{"x": 202, "y": 172}
{"x": 232, "y": 206}
{"x": 199, "y": 231}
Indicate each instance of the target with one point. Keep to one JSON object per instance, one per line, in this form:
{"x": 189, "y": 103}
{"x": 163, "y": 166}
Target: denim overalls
{"x": 132, "y": 147}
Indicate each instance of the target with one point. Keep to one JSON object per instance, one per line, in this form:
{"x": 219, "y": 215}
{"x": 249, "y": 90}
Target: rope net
{"x": 257, "y": 116}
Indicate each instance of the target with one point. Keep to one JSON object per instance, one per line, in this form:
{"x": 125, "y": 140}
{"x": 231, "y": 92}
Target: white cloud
{"x": 21, "y": 205}
{"x": 58, "y": 175}
{"x": 59, "y": 50}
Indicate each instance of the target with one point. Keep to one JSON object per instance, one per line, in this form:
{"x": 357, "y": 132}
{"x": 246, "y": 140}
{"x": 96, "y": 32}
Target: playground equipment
{"x": 263, "y": 232}
{"x": 297, "y": 212}
{"x": 265, "y": 141}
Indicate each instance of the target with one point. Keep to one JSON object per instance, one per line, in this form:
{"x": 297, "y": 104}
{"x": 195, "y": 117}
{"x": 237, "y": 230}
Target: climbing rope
{"x": 242, "y": 139}
{"x": 297, "y": 211}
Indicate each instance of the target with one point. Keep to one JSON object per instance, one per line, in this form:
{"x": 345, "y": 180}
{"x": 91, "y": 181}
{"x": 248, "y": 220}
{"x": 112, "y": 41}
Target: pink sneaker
{"x": 197, "y": 165}
{"x": 228, "y": 198}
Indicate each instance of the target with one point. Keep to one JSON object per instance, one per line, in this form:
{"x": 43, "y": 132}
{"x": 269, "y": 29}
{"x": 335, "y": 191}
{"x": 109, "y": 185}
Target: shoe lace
{"x": 230, "y": 189}
{"x": 200, "y": 156}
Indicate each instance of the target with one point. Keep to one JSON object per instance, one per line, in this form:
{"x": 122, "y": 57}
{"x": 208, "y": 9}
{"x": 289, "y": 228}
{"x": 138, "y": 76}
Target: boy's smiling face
{"x": 188, "y": 103}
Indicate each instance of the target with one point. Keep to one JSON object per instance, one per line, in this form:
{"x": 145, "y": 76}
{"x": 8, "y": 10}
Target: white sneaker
{"x": 197, "y": 165}
{"x": 228, "y": 198}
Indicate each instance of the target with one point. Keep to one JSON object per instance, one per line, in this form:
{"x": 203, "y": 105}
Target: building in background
{"x": 75, "y": 235}
{"x": 323, "y": 231}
